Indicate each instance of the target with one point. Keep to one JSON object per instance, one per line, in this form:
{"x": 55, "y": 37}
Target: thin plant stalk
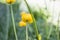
{"x": 48, "y": 33}
{"x": 34, "y": 21}
{"x": 8, "y": 18}
{"x": 27, "y": 32}
{"x": 57, "y": 27}
{"x": 14, "y": 27}
{"x": 51, "y": 27}
{"x": 46, "y": 25}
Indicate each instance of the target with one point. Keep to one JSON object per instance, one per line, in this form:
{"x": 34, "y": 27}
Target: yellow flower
{"x": 10, "y": 1}
{"x": 39, "y": 37}
{"x": 26, "y": 17}
{"x": 21, "y": 23}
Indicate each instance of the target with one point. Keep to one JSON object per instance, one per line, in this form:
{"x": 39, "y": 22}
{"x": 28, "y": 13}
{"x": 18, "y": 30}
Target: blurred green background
{"x": 44, "y": 28}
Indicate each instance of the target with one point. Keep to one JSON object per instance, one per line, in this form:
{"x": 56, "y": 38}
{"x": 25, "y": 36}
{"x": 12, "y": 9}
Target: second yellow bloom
{"x": 26, "y": 17}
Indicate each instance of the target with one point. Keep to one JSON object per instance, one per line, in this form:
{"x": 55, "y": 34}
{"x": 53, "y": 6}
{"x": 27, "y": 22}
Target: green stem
{"x": 8, "y": 18}
{"x": 57, "y": 28}
{"x": 34, "y": 21}
{"x": 27, "y": 32}
{"x": 50, "y": 32}
{"x": 51, "y": 27}
{"x": 13, "y": 23}
{"x": 57, "y": 31}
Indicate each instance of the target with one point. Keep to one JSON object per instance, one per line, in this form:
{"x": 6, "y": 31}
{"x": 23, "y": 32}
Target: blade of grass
{"x": 34, "y": 21}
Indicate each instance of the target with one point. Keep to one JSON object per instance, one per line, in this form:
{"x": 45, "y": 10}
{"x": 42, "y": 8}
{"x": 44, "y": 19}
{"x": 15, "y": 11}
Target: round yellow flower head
{"x": 21, "y": 23}
{"x": 26, "y": 17}
{"x": 39, "y": 37}
{"x": 10, "y": 1}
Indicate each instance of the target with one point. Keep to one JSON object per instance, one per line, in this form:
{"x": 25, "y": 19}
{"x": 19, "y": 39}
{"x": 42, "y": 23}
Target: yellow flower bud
{"x": 10, "y": 1}
{"x": 21, "y": 23}
{"x": 39, "y": 37}
{"x": 26, "y": 17}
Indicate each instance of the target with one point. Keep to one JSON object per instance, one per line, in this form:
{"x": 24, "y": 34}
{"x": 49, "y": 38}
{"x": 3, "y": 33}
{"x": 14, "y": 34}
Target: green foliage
{"x": 7, "y": 33}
